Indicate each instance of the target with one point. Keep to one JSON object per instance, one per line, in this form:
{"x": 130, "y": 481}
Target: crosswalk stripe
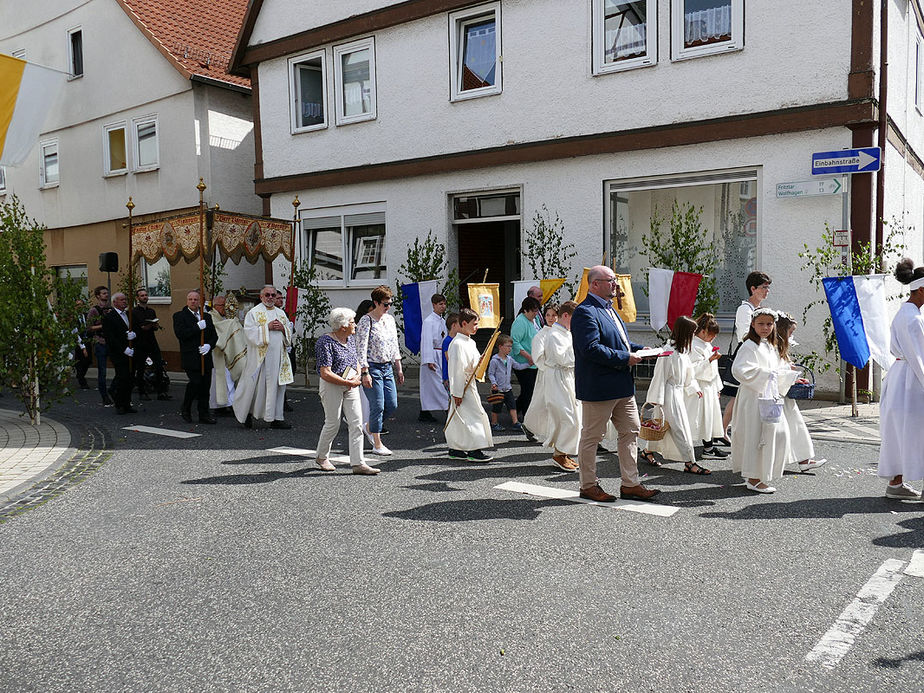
{"x": 566, "y": 494}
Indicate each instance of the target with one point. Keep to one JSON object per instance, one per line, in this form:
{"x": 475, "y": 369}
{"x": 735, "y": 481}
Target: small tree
{"x": 547, "y": 253}
{"x": 313, "y": 309}
{"x": 680, "y": 243}
{"x": 428, "y": 260}
{"x": 36, "y": 328}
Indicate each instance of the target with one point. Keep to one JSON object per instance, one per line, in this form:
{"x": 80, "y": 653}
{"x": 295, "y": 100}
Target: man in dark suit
{"x": 190, "y": 325}
{"x": 604, "y": 384}
{"x": 118, "y": 343}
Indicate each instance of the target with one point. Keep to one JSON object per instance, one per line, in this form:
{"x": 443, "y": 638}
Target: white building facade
{"x": 395, "y": 119}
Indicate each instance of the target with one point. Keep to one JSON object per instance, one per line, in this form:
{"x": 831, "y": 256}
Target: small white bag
{"x": 770, "y": 405}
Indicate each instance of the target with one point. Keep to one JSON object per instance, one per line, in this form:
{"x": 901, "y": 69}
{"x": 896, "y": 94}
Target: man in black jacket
{"x": 144, "y": 321}
{"x": 118, "y": 343}
{"x": 196, "y": 333}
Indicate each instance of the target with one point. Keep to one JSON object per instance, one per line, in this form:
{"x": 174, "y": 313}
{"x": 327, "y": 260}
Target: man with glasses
{"x": 262, "y": 388}
{"x": 605, "y": 386}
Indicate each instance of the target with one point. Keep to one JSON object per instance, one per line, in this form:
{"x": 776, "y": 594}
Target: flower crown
{"x": 784, "y": 314}
{"x": 764, "y": 311}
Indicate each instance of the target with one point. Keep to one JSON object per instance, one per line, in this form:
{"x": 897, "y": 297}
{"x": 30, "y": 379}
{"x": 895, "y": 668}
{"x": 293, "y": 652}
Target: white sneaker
{"x": 368, "y": 434}
{"x": 759, "y": 489}
{"x": 383, "y": 451}
{"x": 812, "y": 464}
{"x": 902, "y": 491}
{"x": 365, "y": 469}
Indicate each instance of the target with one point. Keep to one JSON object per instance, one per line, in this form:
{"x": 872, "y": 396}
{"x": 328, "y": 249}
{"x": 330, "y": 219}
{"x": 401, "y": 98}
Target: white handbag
{"x": 770, "y": 405}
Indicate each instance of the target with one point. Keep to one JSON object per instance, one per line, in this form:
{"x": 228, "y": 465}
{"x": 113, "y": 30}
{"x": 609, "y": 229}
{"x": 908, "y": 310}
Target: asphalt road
{"x": 213, "y": 564}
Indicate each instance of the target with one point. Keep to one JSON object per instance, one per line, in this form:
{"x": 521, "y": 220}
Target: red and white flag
{"x": 670, "y": 295}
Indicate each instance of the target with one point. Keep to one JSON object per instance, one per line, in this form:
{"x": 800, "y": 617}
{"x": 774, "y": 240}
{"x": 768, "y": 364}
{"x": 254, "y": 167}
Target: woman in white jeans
{"x": 335, "y": 354}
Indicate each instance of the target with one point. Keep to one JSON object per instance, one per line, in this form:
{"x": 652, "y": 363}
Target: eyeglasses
{"x": 386, "y": 303}
{"x": 607, "y": 281}
{"x": 270, "y": 295}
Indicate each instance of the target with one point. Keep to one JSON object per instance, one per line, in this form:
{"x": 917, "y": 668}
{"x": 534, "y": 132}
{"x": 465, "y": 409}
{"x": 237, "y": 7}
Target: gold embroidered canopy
{"x": 236, "y": 235}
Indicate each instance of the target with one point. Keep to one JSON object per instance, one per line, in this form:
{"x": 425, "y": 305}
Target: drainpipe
{"x": 878, "y": 238}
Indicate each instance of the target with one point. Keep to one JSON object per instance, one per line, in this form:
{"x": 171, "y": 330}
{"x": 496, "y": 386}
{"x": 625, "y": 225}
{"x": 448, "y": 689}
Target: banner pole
{"x": 201, "y": 188}
{"x": 131, "y": 276}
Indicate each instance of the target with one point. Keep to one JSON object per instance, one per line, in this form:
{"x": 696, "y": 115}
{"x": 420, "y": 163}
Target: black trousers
{"x": 122, "y": 383}
{"x": 527, "y": 380}
{"x": 198, "y": 389}
{"x": 82, "y": 363}
{"x": 141, "y": 354}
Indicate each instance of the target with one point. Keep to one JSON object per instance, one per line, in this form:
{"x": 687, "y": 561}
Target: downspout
{"x": 878, "y": 239}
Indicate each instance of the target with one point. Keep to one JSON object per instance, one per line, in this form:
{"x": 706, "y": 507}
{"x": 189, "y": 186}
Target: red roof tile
{"x": 197, "y": 37}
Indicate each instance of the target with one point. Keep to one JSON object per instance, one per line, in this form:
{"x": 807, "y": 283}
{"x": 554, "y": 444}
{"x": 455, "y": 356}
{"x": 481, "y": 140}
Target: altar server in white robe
{"x": 706, "y": 412}
{"x": 672, "y": 384}
{"x": 555, "y": 361}
{"x": 759, "y": 449}
{"x": 433, "y": 395}
{"x": 901, "y": 409}
{"x": 468, "y": 430}
{"x": 536, "y": 418}
{"x": 800, "y": 441}
{"x": 262, "y": 388}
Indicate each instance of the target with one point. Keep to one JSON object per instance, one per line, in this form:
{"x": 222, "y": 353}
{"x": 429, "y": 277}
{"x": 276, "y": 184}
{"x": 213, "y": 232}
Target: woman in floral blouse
{"x": 380, "y": 364}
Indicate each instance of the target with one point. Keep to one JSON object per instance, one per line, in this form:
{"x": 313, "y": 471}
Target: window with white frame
{"x": 75, "y": 52}
{"x": 49, "y": 174}
{"x": 346, "y": 245}
{"x": 354, "y": 77}
{"x": 21, "y": 54}
{"x": 918, "y": 74}
{"x": 625, "y": 34}
{"x": 475, "y": 51}
{"x": 705, "y": 27}
{"x": 727, "y": 208}
{"x": 2, "y": 180}
{"x": 156, "y": 279}
{"x": 115, "y": 149}
{"x": 145, "y": 150}
{"x": 76, "y": 275}
{"x": 309, "y": 92}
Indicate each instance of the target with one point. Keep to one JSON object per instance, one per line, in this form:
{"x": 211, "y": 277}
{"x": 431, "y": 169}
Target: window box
{"x": 354, "y": 81}
{"x": 308, "y": 87}
{"x": 706, "y": 27}
{"x": 625, "y": 35}
{"x": 475, "y": 51}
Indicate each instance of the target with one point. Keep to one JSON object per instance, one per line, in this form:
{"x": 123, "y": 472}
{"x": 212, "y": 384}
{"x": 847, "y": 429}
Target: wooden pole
{"x": 201, "y": 188}
{"x": 485, "y": 275}
{"x": 131, "y": 276}
{"x": 295, "y": 204}
{"x": 471, "y": 377}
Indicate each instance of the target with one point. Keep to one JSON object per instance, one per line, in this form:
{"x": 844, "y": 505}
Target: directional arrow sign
{"x": 846, "y": 161}
{"x": 806, "y": 188}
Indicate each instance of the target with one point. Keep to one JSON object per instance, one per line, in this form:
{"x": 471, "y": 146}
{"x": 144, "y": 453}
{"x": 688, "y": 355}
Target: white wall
{"x": 549, "y": 91}
{"x": 280, "y": 18}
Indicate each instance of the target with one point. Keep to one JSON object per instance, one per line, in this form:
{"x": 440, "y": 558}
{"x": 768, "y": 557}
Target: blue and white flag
{"x": 861, "y": 322}
{"x": 416, "y": 306}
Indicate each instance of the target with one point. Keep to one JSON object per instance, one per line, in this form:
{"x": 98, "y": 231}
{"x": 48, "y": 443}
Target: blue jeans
{"x": 382, "y": 396}
{"x": 102, "y": 352}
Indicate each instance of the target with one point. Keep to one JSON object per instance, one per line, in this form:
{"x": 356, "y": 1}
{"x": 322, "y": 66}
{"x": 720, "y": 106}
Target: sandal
{"x": 649, "y": 457}
{"x": 694, "y": 468}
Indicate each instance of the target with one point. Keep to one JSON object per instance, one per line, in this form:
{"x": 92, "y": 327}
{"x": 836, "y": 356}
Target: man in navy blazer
{"x": 603, "y": 380}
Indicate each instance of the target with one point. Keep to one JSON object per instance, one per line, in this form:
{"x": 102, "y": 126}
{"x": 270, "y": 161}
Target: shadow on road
{"x": 897, "y": 662}
{"x": 912, "y": 539}
{"x": 816, "y": 508}
{"x": 480, "y": 509}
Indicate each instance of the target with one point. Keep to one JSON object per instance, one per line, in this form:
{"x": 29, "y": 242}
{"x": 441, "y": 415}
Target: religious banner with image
{"x": 484, "y": 299}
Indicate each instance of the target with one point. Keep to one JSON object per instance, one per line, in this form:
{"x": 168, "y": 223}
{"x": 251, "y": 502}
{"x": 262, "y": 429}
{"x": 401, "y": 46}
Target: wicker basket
{"x": 803, "y": 390}
{"x": 654, "y": 427}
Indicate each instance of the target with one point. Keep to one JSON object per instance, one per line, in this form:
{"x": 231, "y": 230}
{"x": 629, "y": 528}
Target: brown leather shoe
{"x": 595, "y": 493}
{"x": 638, "y": 492}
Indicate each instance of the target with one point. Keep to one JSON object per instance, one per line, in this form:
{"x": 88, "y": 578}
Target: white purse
{"x": 770, "y": 405}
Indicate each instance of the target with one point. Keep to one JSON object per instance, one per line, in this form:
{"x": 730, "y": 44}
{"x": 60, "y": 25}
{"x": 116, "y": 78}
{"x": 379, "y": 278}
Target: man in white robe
{"x": 262, "y": 387}
{"x": 432, "y": 393}
{"x": 468, "y": 429}
{"x": 229, "y": 356}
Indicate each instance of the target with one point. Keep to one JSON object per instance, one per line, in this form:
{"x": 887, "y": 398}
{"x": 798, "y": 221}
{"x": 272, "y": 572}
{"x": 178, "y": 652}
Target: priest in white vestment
{"x": 262, "y": 387}
{"x": 229, "y": 355}
{"x": 433, "y": 395}
{"x": 468, "y": 430}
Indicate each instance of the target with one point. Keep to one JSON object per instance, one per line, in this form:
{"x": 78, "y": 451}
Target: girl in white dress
{"x": 706, "y": 412}
{"x": 759, "y": 449}
{"x": 672, "y": 383}
{"x": 535, "y": 419}
{"x": 467, "y": 429}
{"x": 801, "y": 446}
{"x": 901, "y": 410}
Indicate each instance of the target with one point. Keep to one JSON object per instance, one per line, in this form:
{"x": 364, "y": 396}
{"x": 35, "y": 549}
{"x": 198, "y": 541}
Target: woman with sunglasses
{"x": 379, "y": 360}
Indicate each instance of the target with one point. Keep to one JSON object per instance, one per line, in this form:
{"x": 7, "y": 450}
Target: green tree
{"x": 428, "y": 260}
{"x": 547, "y": 253}
{"x": 36, "y": 326}
{"x": 313, "y": 309}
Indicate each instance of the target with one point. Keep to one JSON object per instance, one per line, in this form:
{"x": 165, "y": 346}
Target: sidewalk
{"x": 28, "y": 452}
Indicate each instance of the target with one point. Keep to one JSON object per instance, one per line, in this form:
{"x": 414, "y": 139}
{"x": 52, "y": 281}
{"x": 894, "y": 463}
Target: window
{"x": 475, "y": 51}
{"x": 2, "y": 180}
{"x": 918, "y": 74}
{"x": 75, "y": 53}
{"x": 115, "y": 150}
{"x": 354, "y": 74}
{"x": 625, "y": 34}
{"x": 48, "y": 176}
{"x": 156, "y": 279}
{"x": 146, "y": 153}
{"x": 21, "y": 54}
{"x": 75, "y": 274}
{"x": 728, "y": 204}
{"x": 309, "y": 92}
{"x": 705, "y": 27}
{"x": 348, "y": 246}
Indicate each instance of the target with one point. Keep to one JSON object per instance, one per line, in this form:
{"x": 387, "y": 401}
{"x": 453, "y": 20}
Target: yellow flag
{"x": 485, "y": 300}
{"x": 628, "y": 313}
{"x": 485, "y": 359}
{"x": 582, "y": 289}
{"x": 549, "y": 287}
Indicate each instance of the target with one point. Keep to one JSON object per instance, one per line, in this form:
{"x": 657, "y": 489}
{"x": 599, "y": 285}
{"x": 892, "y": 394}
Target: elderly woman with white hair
{"x": 335, "y": 354}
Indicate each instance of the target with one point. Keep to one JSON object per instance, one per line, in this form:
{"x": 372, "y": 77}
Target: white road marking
{"x": 566, "y": 494}
{"x": 846, "y": 629}
{"x": 304, "y": 452}
{"x": 162, "y": 431}
{"x": 916, "y": 567}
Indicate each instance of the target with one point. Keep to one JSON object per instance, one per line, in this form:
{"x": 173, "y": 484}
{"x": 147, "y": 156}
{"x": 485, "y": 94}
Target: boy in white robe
{"x": 535, "y": 419}
{"x": 432, "y": 393}
{"x": 706, "y": 412}
{"x": 467, "y": 430}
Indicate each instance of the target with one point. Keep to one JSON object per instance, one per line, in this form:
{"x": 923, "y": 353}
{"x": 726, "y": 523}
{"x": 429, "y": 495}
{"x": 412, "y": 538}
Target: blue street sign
{"x": 862, "y": 160}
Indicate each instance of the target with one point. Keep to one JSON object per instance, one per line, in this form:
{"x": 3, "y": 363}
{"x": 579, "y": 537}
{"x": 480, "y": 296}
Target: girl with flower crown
{"x": 760, "y": 449}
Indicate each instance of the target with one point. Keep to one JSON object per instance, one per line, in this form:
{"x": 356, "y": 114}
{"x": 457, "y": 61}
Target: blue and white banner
{"x": 416, "y": 306}
{"x": 861, "y": 321}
